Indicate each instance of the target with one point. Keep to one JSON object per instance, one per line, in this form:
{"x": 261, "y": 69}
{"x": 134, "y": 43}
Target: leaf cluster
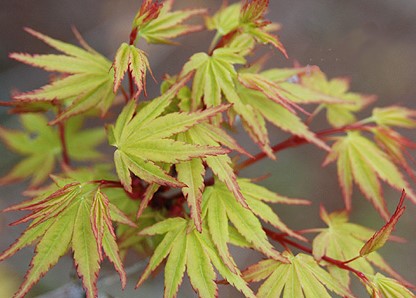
{"x": 167, "y": 183}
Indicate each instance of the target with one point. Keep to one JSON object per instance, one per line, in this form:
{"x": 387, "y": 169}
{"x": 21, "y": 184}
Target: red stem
{"x": 279, "y": 238}
{"x": 131, "y": 84}
{"x": 294, "y": 142}
{"x": 61, "y": 127}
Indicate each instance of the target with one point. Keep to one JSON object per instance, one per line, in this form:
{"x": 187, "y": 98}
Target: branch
{"x": 295, "y": 141}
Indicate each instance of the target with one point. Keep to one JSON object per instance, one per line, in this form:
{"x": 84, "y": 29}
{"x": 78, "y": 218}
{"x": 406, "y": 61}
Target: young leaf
{"x": 385, "y": 287}
{"x": 129, "y": 58}
{"x": 380, "y": 237}
{"x": 87, "y": 84}
{"x": 360, "y": 160}
{"x": 253, "y": 23}
{"x": 41, "y": 146}
{"x": 188, "y": 250}
{"x": 215, "y": 76}
{"x": 394, "y": 116}
{"x": 75, "y": 216}
{"x": 169, "y": 24}
{"x": 302, "y": 277}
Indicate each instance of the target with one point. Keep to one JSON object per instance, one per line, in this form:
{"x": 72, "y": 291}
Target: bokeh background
{"x": 372, "y": 42}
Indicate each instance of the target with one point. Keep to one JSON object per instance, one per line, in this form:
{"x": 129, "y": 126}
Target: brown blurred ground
{"x": 373, "y": 42}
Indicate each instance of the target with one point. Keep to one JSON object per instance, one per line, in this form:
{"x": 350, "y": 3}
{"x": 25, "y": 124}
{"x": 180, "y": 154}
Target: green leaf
{"x": 88, "y": 86}
{"x": 75, "y": 216}
{"x": 40, "y": 144}
{"x": 129, "y": 58}
{"x": 394, "y": 116}
{"x": 142, "y": 140}
{"x": 200, "y": 270}
{"x": 340, "y": 114}
{"x": 343, "y": 241}
{"x": 217, "y": 200}
{"x": 385, "y": 287}
{"x": 360, "y": 160}
{"x": 279, "y": 116}
{"x": 169, "y": 24}
{"x": 184, "y": 246}
{"x": 225, "y": 20}
{"x": 302, "y": 277}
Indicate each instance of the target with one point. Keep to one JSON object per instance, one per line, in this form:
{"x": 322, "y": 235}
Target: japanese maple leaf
{"x": 144, "y": 139}
{"x": 86, "y": 84}
{"x": 343, "y": 241}
{"x": 192, "y": 172}
{"x": 245, "y": 20}
{"x": 359, "y": 160}
{"x": 77, "y": 216}
{"x": 220, "y": 206}
{"x": 168, "y": 24}
{"x": 302, "y": 277}
{"x": 338, "y": 114}
{"x": 186, "y": 249}
{"x": 41, "y": 146}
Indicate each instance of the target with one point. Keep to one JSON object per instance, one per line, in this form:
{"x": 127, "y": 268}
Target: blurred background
{"x": 372, "y": 42}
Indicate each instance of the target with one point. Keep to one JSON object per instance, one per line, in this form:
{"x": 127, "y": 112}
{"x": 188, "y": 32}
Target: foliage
{"x": 183, "y": 139}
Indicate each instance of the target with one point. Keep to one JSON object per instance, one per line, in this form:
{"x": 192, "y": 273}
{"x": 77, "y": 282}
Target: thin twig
{"x": 295, "y": 141}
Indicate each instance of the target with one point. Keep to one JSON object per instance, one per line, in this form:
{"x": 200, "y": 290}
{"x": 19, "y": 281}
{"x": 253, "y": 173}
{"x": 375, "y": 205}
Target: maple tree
{"x": 171, "y": 188}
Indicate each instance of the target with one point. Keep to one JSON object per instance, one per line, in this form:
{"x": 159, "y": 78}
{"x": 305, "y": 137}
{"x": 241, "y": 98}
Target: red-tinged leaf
{"x": 121, "y": 64}
{"x": 175, "y": 267}
{"x": 161, "y": 251}
{"x": 111, "y": 250}
{"x": 218, "y": 197}
{"x": 53, "y": 245}
{"x": 87, "y": 82}
{"x": 221, "y": 137}
{"x": 220, "y": 165}
{"x": 191, "y": 173}
{"x": 63, "y": 47}
{"x": 149, "y": 171}
{"x": 100, "y": 219}
{"x": 384, "y": 287}
{"x": 149, "y": 10}
{"x": 394, "y": 116}
{"x": 75, "y": 216}
{"x": 86, "y": 254}
{"x": 170, "y": 151}
{"x": 147, "y": 197}
{"x": 260, "y": 270}
{"x": 302, "y": 277}
{"x": 138, "y": 66}
{"x": 280, "y": 116}
{"x": 235, "y": 279}
{"x": 169, "y": 24}
{"x": 122, "y": 165}
{"x": 341, "y": 114}
{"x": 218, "y": 225}
{"x": 174, "y": 123}
{"x": 200, "y": 270}
{"x": 380, "y": 237}
{"x": 28, "y": 237}
{"x": 143, "y": 141}
{"x": 254, "y": 10}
